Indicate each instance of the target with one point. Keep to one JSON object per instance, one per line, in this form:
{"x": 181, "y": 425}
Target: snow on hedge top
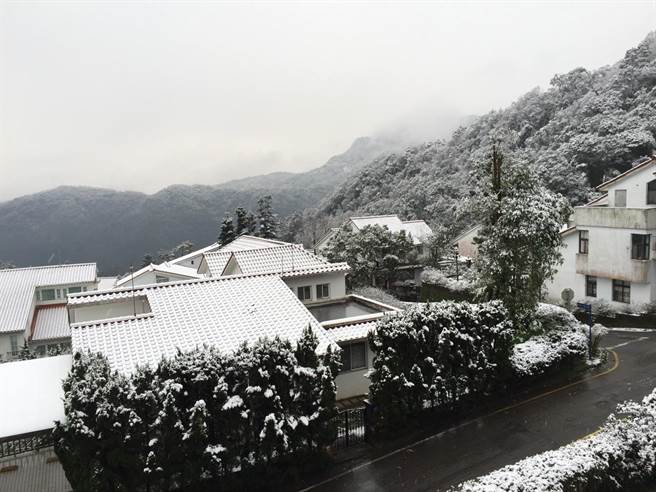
{"x": 221, "y": 312}
{"x": 32, "y": 394}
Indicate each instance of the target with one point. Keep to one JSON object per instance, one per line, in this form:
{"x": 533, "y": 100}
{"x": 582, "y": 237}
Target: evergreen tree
{"x": 147, "y": 260}
{"x": 266, "y": 219}
{"x": 25, "y": 352}
{"x": 242, "y": 221}
{"x": 227, "y": 233}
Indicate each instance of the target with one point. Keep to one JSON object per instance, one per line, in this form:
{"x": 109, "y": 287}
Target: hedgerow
{"x": 197, "y": 418}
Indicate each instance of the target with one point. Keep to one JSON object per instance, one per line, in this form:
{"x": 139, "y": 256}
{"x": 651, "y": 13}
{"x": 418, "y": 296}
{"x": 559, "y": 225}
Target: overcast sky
{"x": 142, "y": 95}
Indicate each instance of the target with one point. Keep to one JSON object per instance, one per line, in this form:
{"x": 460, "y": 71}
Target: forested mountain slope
{"x": 586, "y": 126}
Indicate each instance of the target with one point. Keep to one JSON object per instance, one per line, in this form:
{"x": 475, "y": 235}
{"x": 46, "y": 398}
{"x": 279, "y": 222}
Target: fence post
{"x": 346, "y": 428}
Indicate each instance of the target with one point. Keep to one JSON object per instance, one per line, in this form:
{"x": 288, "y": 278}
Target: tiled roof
{"x": 647, "y": 161}
{"x": 221, "y": 312}
{"x": 17, "y": 289}
{"x": 198, "y": 252}
{"x": 287, "y": 261}
{"x": 246, "y": 242}
{"x": 167, "y": 268}
{"x": 216, "y": 261}
{"x": 50, "y": 323}
{"x": 353, "y": 331}
{"x": 418, "y": 229}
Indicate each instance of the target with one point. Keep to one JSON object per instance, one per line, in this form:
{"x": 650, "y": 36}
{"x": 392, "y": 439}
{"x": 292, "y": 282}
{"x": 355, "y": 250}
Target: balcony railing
{"x": 25, "y": 443}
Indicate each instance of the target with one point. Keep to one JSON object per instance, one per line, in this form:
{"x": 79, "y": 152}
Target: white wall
{"x": 636, "y": 188}
{"x": 100, "y": 311}
{"x": 354, "y": 383}
{"x": 337, "y": 281}
{"x": 566, "y": 277}
{"x": 148, "y": 278}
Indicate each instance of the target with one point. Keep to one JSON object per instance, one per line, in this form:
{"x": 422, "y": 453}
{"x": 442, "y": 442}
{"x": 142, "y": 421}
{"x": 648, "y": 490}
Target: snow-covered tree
{"x": 266, "y": 220}
{"x": 519, "y": 241}
{"x": 227, "y": 232}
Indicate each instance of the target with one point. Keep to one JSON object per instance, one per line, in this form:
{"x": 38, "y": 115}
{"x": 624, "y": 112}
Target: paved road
{"x": 507, "y": 436}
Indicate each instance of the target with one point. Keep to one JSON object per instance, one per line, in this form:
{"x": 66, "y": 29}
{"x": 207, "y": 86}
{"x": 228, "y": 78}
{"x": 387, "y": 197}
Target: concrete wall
{"x": 354, "y": 383}
{"x": 566, "y": 277}
{"x": 336, "y": 280}
{"x": 148, "y": 278}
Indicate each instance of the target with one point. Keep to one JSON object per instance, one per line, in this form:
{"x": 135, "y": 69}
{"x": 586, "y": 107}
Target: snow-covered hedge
{"x": 435, "y": 355}
{"x": 564, "y": 341}
{"x": 199, "y": 416}
{"x": 622, "y": 455}
{"x": 437, "y": 277}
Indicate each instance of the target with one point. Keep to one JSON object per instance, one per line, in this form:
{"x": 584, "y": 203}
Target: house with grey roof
{"x": 33, "y": 305}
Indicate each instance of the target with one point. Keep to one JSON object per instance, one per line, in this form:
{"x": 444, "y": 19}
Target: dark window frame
{"x": 347, "y": 356}
{"x": 622, "y": 291}
{"x": 584, "y": 242}
{"x": 323, "y": 291}
{"x": 651, "y": 193}
{"x": 304, "y": 289}
{"x": 590, "y": 286}
{"x": 640, "y": 244}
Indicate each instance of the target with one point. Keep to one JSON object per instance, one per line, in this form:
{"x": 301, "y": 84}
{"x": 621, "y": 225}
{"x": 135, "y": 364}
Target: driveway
{"x": 507, "y": 435}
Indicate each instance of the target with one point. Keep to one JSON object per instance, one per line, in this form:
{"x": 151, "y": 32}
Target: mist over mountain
{"x": 587, "y": 126}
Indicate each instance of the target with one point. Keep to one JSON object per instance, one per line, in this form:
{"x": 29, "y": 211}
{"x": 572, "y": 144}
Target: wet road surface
{"x": 478, "y": 447}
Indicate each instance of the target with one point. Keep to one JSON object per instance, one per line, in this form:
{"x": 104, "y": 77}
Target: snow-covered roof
{"x": 17, "y": 288}
{"x": 353, "y": 331}
{"x": 222, "y": 312}
{"x": 106, "y": 283}
{"x": 50, "y": 323}
{"x": 418, "y": 229}
{"x": 167, "y": 268}
{"x": 32, "y": 394}
{"x": 194, "y": 254}
{"x": 215, "y": 262}
{"x": 246, "y": 242}
{"x": 288, "y": 260}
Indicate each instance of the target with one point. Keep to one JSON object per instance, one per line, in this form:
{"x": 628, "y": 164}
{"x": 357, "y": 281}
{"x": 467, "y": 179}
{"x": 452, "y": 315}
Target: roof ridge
{"x": 375, "y": 216}
{"x": 40, "y": 267}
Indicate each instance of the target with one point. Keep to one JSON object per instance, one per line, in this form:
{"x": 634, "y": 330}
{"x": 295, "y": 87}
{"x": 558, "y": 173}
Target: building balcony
{"x": 615, "y": 217}
{"x": 636, "y": 271}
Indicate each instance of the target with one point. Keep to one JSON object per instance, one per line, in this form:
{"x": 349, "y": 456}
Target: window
{"x": 354, "y": 356}
{"x": 583, "y": 242}
{"x": 160, "y": 279}
{"x": 305, "y": 293}
{"x": 74, "y": 290}
{"x": 47, "y": 294}
{"x": 640, "y": 246}
{"x": 651, "y": 192}
{"x": 622, "y": 291}
{"x": 323, "y": 291}
{"x": 590, "y": 286}
{"x": 620, "y": 198}
{"x": 13, "y": 341}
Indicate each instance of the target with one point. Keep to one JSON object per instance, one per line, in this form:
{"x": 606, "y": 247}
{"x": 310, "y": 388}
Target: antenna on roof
{"x": 134, "y": 301}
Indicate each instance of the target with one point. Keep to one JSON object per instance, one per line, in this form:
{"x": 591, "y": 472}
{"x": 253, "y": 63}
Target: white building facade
{"x": 609, "y": 249}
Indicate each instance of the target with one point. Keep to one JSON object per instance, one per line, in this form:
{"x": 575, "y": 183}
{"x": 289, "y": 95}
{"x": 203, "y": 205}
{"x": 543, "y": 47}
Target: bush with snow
{"x": 201, "y": 415}
{"x": 436, "y": 355}
{"x": 564, "y": 341}
{"x": 437, "y": 277}
{"x": 620, "y": 456}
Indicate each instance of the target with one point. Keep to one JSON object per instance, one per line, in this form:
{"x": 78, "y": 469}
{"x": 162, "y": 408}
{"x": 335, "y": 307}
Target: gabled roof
{"x": 286, "y": 261}
{"x": 418, "y": 229}
{"x": 167, "y": 268}
{"x": 221, "y": 312}
{"x": 17, "y": 287}
{"x": 648, "y": 161}
{"x": 215, "y": 261}
{"x": 392, "y": 222}
{"x": 50, "y": 323}
{"x": 246, "y": 242}
{"x": 464, "y": 233}
{"x": 193, "y": 254}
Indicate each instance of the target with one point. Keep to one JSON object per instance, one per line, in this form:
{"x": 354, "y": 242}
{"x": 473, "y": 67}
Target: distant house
{"x": 464, "y": 242}
{"x": 33, "y": 305}
{"x": 609, "y": 248}
{"x": 418, "y": 230}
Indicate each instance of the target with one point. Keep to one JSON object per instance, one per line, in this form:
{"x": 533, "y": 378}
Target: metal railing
{"x": 25, "y": 443}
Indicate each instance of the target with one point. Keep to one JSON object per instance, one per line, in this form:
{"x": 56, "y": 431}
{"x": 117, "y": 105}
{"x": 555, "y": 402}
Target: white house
{"x": 418, "y": 230}
{"x": 464, "y": 242}
{"x": 609, "y": 248}
{"x": 33, "y": 305}
{"x": 156, "y": 274}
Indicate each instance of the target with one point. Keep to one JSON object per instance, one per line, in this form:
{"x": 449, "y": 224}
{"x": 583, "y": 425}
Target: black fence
{"x": 351, "y": 427}
{"x": 25, "y": 443}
